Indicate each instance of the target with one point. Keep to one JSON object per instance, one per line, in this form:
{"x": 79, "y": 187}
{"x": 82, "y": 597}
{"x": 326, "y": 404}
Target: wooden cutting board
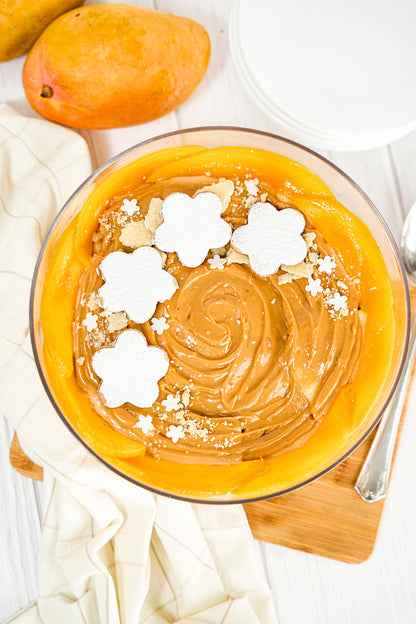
{"x": 326, "y": 517}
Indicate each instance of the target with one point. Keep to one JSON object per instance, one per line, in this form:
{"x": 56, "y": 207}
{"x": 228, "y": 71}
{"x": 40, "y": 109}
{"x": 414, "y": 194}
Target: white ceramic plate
{"x": 339, "y": 75}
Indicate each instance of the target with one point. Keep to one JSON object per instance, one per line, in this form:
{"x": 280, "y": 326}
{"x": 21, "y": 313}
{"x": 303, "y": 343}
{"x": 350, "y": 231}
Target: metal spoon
{"x": 373, "y": 479}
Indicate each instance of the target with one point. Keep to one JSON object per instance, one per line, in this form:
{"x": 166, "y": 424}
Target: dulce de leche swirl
{"x": 255, "y": 361}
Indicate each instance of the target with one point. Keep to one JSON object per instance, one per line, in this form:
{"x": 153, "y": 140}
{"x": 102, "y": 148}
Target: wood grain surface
{"x": 21, "y": 462}
{"x": 326, "y": 517}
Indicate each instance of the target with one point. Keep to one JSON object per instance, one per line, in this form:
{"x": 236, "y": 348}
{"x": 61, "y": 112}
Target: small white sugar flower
{"x": 90, "y": 321}
{"x": 326, "y": 265}
{"x": 175, "y": 433}
{"x": 216, "y": 262}
{"x": 145, "y": 423}
{"x": 338, "y": 302}
{"x": 159, "y": 325}
{"x": 130, "y": 206}
{"x": 171, "y": 403}
{"x": 314, "y": 286}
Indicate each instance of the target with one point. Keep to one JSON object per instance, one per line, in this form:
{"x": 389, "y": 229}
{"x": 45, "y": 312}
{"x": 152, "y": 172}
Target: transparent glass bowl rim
{"x": 231, "y": 129}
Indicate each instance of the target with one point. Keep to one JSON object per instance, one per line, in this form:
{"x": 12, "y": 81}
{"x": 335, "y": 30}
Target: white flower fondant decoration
{"x": 130, "y": 370}
{"x": 192, "y": 227}
{"x": 216, "y": 262}
{"x": 314, "y": 286}
{"x": 271, "y": 237}
{"x": 175, "y": 433}
{"x": 326, "y": 265}
{"x": 145, "y": 423}
{"x": 130, "y": 206}
{"x": 159, "y": 325}
{"x": 135, "y": 282}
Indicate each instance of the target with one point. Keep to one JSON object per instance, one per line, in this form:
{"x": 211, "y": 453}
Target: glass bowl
{"x": 254, "y": 480}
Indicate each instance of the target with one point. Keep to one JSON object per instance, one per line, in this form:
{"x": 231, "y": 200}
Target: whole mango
{"x": 111, "y": 65}
{"x": 22, "y": 21}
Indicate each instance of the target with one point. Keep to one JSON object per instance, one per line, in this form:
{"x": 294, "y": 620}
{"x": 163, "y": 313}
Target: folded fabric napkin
{"x": 111, "y": 552}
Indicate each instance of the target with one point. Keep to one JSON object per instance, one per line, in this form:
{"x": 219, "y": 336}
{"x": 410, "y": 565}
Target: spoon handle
{"x": 373, "y": 479}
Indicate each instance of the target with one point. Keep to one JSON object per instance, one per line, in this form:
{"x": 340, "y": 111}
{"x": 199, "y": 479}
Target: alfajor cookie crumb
{"x": 135, "y": 235}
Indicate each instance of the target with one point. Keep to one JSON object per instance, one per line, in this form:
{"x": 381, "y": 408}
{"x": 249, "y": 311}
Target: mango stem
{"x": 47, "y": 91}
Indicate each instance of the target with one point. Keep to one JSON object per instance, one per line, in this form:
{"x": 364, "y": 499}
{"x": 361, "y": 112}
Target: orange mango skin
{"x": 351, "y": 412}
{"x": 106, "y": 66}
{"x": 22, "y": 21}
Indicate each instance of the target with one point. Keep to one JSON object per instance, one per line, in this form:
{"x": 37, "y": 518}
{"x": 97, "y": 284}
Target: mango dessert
{"x": 216, "y": 324}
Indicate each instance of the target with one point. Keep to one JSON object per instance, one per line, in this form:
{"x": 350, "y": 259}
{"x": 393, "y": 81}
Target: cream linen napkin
{"x": 111, "y": 552}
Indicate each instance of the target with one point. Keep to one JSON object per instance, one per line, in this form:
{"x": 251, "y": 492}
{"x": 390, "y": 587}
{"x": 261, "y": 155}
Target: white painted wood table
{"x": 307, "y": 589}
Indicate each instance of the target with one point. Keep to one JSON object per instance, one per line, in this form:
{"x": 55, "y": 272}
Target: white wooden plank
{"x": 403, "y": 155}
{"x": 220, "y": 98}
{"x": 320, "y": 591}
{"x": 20, "y": 529}
{"x": 373, "y": 172}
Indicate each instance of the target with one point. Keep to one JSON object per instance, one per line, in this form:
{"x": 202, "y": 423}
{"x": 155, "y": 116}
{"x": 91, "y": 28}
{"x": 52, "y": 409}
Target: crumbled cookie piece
{"x": 239, "y": 188}
{"x": 302, "y": 269}
{"x": 191, "y": 426}
{"x": 309, "y": 237}
{"x": 186, "y": 395}
{"x": 154, "y": 216}
{"x": 313, "y": 257}
{"x": 80, "y": 361}
{"x": 234, "y": 257}
{"x": 122, "y": 219}
{"x": 223, "y": 189}
{"x": 251, "y": 186}
{"x": 163, "y": 257}
{"x": 219, "y": 251}
{"x": 95, "y": 339}
{"x": 94, "y": 301}
{"x": 250, "y": 201}
{"x": 136, "y": 235}
{"x": 263, "y": 197}
{"x": 116, "y": 321}
{"x": 285, "y": 278}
